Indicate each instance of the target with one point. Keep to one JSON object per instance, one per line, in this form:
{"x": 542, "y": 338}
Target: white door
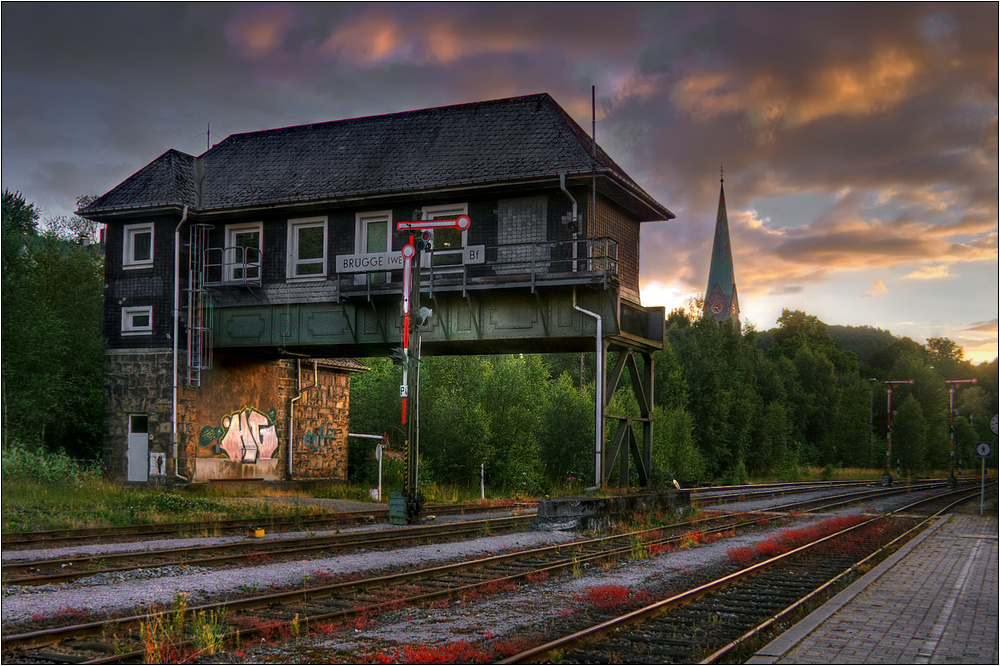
{"x": 138, "y": 447}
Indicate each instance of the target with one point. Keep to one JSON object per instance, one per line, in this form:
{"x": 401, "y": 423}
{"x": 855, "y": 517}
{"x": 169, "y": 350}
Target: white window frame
{"x": 445, "y": 212}
{"x": 361, "y": 222}
{"x": 229, "y": 260}
{"x": 130, "y": 231}
{"x": 293, "y": 243}
{"x": 129, "y": 327}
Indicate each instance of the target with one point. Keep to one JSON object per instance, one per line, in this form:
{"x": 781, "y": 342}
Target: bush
{"x": 36, "y": 464}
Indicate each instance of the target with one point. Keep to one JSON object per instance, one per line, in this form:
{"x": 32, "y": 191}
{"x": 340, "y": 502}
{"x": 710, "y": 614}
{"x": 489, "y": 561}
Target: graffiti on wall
{"x": 247, "y": 435}
{"x": 319, "y": 439}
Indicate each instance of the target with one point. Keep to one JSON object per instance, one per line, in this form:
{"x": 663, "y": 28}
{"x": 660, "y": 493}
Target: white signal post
{"x": 951, "y": 413}
{"x": 408, "y": 253}
{"x": 888, "y": 426}
{"x": 411, "y": 346}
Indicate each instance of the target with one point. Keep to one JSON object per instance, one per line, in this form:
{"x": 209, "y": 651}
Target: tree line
{"x": 729, "y": 404}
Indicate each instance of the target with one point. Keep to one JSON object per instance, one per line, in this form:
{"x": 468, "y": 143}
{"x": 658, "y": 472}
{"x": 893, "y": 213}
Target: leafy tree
{"x": 965, "y": 445}
{"x": 909, "y": 437}
{"x": 945, "y": 356}
{"x": 675, "y": 456}
{"x": 718, "y": 368}
{"x": 930, "y": 391}
{"x": 797, "y": 329}
{"x": 772, "y": 440}
{"x": 567, "y": 431}
{"x": 882, "y": 362}
{"x": 849, "y": 440}
{"x": 53, "y": 352}
{"x": 375, "y": 410}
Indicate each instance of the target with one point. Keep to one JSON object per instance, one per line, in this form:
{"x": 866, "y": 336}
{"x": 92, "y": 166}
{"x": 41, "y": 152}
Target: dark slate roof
{"x": 498, "y": 141}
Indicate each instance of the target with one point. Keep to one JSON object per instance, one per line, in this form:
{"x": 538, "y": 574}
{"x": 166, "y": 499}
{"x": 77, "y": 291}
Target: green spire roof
{"x": 721, "y": 300}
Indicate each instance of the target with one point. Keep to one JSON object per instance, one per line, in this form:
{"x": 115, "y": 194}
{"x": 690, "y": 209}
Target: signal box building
{"x": 240, "y": 281}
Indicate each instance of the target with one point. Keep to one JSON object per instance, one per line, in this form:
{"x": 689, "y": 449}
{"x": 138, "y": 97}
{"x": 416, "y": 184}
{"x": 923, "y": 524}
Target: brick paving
{"x": 935, "y": 601}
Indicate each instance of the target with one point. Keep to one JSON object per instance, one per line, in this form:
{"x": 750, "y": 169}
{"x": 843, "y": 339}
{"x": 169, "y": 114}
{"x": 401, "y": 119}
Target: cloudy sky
{"x": 859, "y": 140}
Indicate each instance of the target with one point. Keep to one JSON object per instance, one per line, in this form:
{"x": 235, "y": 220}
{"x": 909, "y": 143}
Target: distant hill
{"x": 862, "y": 340}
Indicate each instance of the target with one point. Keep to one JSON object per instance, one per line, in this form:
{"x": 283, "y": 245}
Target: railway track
{"x": 44, "y": 571}
{"x": 90, "y": 535}
{"x": 65, "y": 569}
{"x": 706, "y": 623}
{"x": 726, "y": 494}
{"x": 101, "y": 640}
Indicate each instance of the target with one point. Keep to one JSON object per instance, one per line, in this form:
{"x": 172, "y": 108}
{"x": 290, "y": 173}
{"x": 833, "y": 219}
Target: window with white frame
{"x": 137, "y": 245}
{"x": 242, "y": 253}
{"x": 137, "y": 320}
{"x": 372, "y": 235}
{"x": 307, "y": 248}
{"x": 448, "y": 243}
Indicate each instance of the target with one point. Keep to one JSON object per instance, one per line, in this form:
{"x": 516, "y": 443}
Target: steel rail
{"x": 76, "y": 534}
{"x": 764, "y": 626}
{"x": 268, "y": 601}
{"x": 751, "y": 493}
{"x": 541, "y": 652}
{"x": 285, "y": 547}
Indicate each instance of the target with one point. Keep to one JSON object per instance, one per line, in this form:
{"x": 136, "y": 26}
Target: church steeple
{"x": 721, "y": 300}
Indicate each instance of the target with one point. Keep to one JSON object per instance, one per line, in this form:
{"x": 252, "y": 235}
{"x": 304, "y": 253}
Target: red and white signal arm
{"x": 461, "y": 223}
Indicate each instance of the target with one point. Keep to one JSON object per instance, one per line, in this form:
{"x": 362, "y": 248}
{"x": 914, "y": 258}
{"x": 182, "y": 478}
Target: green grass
{"x": 43, "y": 490}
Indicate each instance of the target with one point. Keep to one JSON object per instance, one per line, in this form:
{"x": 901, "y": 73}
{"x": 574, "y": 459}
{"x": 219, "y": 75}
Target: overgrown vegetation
{"x": 46, "y": 490}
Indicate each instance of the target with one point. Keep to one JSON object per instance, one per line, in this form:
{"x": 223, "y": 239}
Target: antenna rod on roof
{"x": 593, "y": 164}
{"x": 208, "y": 137}
{"x": 593, "y": 120}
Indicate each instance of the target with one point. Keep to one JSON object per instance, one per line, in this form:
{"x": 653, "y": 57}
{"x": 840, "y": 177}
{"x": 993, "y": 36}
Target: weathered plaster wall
{"x": 233, "y": 422}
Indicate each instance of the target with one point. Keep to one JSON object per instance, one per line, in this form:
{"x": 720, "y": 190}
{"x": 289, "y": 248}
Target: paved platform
{"x": 934, "y": 601}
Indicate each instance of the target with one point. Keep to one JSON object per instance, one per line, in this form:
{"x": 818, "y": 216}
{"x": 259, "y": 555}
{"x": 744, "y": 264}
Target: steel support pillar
{"x": 637, "y": 443}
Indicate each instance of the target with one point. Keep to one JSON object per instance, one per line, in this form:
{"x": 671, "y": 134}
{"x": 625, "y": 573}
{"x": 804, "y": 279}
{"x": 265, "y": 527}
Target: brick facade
{"x": 615, "y": 223}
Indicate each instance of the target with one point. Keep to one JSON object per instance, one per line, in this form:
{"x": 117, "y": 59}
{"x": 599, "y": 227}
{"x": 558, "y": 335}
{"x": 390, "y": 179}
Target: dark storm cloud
{"x": 888, "y": 109}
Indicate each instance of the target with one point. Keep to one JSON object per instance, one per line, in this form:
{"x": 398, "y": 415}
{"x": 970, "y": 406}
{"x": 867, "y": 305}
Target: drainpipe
{"x": 576, "y": 224}
{"x": 177, "y": 319}
{"x": 562, "y": 186}
{"x": 291, "y": 410}
{"x": 598, "y": 393}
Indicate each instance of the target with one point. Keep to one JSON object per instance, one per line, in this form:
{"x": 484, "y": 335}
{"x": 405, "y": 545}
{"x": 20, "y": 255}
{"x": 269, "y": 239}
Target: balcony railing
{"x": 506, "y": 265}
{"x": 545, "y": 263}
{"x": 236, "y": 266}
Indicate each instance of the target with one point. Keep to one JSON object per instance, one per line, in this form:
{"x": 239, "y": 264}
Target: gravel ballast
{"x": 483, "y": 619}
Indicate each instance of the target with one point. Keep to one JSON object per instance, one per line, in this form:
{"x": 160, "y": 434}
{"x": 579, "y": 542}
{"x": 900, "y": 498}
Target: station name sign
{"x": 390, "y": 261}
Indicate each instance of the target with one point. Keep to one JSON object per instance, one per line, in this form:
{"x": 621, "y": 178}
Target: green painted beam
{"x": 483, "y": 322}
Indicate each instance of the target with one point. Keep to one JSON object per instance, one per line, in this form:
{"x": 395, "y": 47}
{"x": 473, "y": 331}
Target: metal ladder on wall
{"x": 199, "y": 307}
